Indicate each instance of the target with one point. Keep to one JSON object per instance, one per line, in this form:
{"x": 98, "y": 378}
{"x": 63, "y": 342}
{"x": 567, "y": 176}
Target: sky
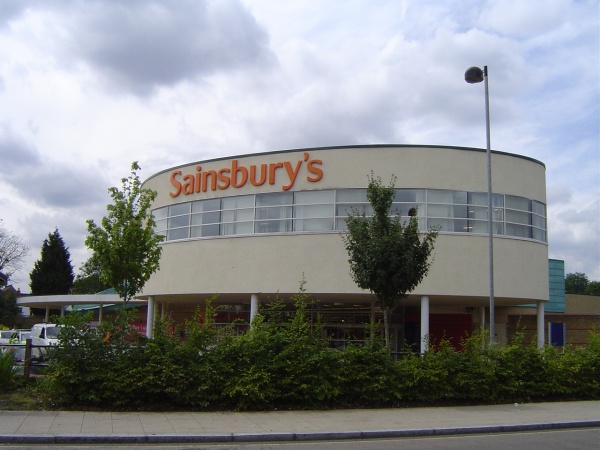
{"x": 88, "y": 87}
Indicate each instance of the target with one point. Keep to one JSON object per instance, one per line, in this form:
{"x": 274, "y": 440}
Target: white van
{"x": 45, "y": 333}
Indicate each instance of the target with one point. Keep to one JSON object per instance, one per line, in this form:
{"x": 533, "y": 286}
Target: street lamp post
{"x": 476, "y": 75}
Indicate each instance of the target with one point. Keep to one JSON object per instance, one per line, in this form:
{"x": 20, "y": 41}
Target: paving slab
{"x": 81, "y": 427}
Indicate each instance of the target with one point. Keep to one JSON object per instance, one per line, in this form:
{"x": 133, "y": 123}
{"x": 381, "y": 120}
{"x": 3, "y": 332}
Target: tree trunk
{"x": 386, "y": 325}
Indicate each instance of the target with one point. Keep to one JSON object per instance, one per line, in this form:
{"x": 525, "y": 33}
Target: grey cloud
{"x": 16, "y": 154}
{"x": 142, "y": 45}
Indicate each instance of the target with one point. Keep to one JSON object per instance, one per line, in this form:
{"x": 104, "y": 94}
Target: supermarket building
{"x": 251, "y": 227}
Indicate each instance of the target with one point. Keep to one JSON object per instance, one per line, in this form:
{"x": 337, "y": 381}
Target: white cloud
{"x": 90, "y": 86}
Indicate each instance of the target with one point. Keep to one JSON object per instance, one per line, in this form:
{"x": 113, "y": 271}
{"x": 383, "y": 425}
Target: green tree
{"x": 52, "y": 274}
{"x": 89, "y": 281}
{"x": 575, "y": 283}
{"x": 593, "y": 288}
{"x": 388, "y": 255}
{"x": 8, "y": 305}
{"x": 125, "y": 245}
{"x": 12, "y": 252}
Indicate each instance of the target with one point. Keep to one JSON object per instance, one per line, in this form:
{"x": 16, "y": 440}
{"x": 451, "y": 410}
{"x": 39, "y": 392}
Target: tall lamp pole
{"x": 476, "y": 75}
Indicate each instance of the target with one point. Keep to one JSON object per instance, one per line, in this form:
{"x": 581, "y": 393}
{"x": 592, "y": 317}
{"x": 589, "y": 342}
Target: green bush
{"x": 284, "y": 361}
{"x": 8, "y": 371}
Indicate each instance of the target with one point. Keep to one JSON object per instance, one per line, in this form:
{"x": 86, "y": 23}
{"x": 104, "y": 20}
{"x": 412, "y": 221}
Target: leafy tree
{"x": 52, "y": 274}
{"x": 125, "y": 245}
{"x": 575, "y": 283}
{"x": 12, "y": 252}
{"x": 593, "y": 288}
{"x": 89, "y": 281}
{"x": 388, "y": 255}
{"x": 8, "y": 305}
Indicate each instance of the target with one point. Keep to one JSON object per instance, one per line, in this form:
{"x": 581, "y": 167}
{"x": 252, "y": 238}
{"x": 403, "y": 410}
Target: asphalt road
{"x": 580, "y": 439}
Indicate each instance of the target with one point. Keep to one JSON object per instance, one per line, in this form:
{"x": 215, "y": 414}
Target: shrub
{"x": 8, "y": 371}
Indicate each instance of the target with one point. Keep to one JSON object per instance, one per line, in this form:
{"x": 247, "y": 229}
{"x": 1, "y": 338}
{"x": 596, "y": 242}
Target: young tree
{"x": 125, "y": 245}
{"x": 52, "y": 274}
{"x": 12, "y": 252}
{"x": 388, "y": 255}
{"x": 89, "y": 281}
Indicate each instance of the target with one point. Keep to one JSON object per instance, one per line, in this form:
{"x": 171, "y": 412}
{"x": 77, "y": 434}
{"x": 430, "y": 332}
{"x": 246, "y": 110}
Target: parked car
{"x": 38, "y": 360}
{"x": 45, "y": 333}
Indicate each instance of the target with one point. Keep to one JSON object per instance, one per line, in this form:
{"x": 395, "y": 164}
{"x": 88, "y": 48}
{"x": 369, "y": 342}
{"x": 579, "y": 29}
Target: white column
{"x": 540, "y": 325}
{"x": 482, "y": 317}
{"x": 253, "y": 307}
{"x": 150, "y": 318}
{"x": 100, "y": 315}
{"x": 424, "y": 324}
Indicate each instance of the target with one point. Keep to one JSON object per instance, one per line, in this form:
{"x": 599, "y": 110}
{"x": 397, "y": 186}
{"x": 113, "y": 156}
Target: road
{"x": 580, "y": 439}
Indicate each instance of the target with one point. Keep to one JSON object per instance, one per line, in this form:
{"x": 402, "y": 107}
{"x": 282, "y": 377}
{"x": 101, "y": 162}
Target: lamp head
{"x": 474, "y": 75}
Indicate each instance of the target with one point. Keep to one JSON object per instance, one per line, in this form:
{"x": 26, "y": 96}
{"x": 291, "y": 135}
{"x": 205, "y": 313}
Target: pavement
{"x": 78, "y": 427}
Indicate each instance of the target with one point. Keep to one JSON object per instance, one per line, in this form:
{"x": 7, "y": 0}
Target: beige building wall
{"x": 237, "y": 266}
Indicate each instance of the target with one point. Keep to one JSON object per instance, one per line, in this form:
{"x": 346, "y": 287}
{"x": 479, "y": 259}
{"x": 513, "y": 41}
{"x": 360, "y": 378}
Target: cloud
{"x": 139, "y": 46}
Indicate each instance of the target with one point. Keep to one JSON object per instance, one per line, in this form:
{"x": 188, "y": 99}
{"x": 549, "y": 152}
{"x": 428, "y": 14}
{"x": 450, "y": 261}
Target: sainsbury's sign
{"x": 236, "y": 175}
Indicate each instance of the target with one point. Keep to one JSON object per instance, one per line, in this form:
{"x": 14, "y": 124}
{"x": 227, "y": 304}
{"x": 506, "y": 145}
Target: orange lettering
{"x": 263, "y": 175}
{"x": 234, "y": 174}
{"x": 224, "y": 178}
{"x": 291, "y": 173}
{"x": 175, "y": 183}
{"x": 213, "y": 181}
{"x": 316, "y": 171}
{"x": 272, "y": 168}
{"x": 188, "y": 185}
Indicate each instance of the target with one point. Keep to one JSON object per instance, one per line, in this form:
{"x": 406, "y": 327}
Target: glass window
{"x": 237, "y": 228}
{"x": 447, "y": 197}
{"x": 207, "y": 217}
{"x": 179, "y": 221}
{"x": 160, "y": 224}
{"x": 517, "y": 203}
{"x": 409, "y": 195}
{"x": 539, "y": 235}
{"x": 313, "y": 197}
{"x": 206, "y": 205}
{"x": 345, "y": 209}
{"x": 538, "y": 208}
{"x": 178, "y": 233}
{"x": 273, "y": 226}
{"x": 160, "y": 213}
{"x": 278, "y": 212}
{"x": 238, "y": 215}
{"x": 313, "y": 224}
{"x": 277, "y": 198}
{"x": 351, "y": 195}
{"x": 518, "y": 217}
{"x": 205, "y": 231}
{"x": 176, "y": 210}
{"x": 518, "y": 230}
{"x": 244, "y": 201}
{"x": 313, "y": 211}
{"x": 538, "y": 221}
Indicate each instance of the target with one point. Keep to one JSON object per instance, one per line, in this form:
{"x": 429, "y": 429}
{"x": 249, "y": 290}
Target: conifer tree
{"x": 52, "y": 274}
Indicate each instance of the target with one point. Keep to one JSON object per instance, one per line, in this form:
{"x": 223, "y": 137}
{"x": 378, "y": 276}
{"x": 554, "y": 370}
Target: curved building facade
{"x": 252, "y": 226}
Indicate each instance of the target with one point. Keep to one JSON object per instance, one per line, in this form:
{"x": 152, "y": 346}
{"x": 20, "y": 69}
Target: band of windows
{"x": 326, "y": 210}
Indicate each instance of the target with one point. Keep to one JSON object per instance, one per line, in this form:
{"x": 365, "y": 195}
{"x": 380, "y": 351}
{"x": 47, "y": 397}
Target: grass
{"x": 23, "y": 397}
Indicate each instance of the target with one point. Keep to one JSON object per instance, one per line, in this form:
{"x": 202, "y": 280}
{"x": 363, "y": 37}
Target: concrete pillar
{"x": 424, "y": 324}
{"x": 100, "y": 315}
{"x": 150, "y": 318}
{"x": 540, "y": 325}
{"x": 62, "y": 311}
{"x": 253, "y": 307}
{"x": 482, "y": 317}
{"x": 47, "y": 319}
